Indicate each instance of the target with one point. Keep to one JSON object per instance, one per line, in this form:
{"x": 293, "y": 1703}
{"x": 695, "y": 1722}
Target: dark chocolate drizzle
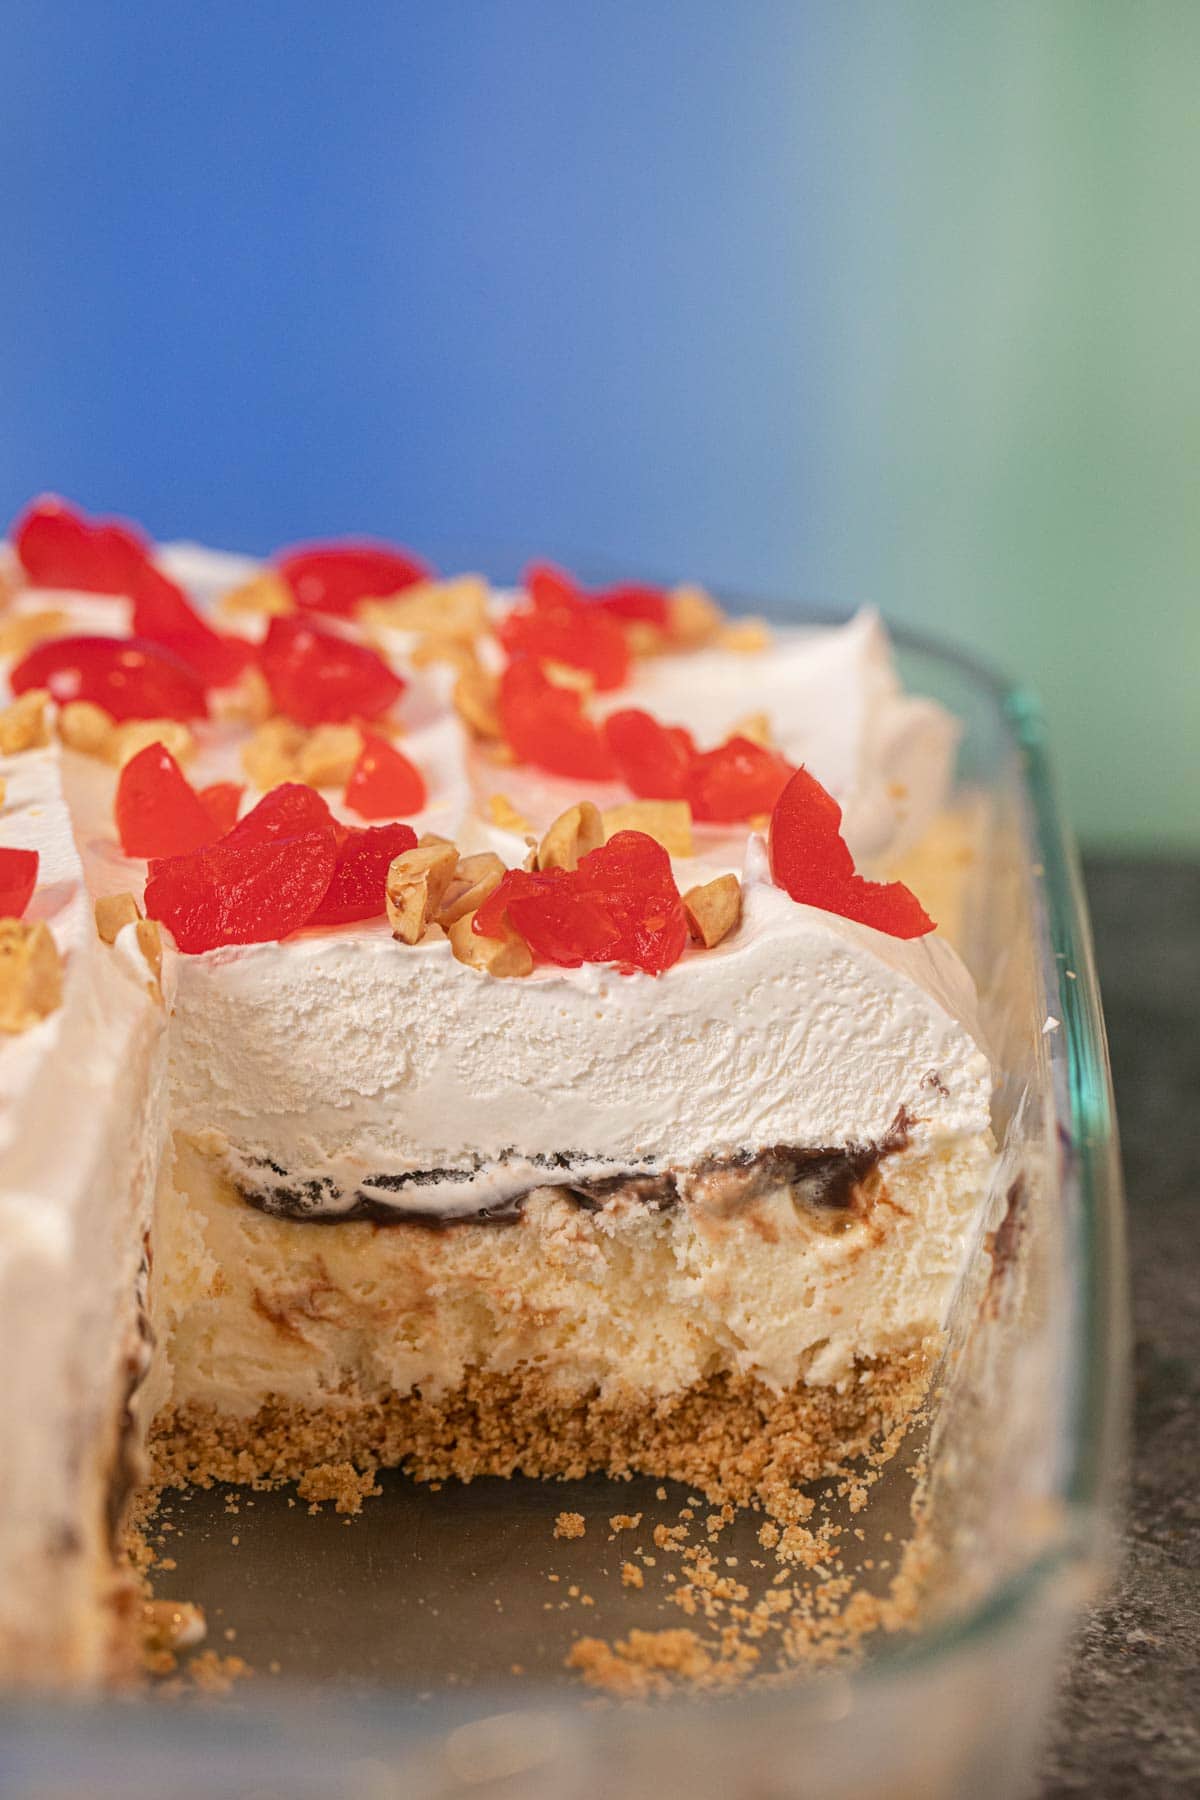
{"x": 822, "y": 1179}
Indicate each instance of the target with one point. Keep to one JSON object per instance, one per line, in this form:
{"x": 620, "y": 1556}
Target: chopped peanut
{"x": 416, "y": 884}
{"x": 22, "y": 631}
{"x": 447, "y": 609}
{"x": 272, "y": 754}
{"x": 474, "y": 879}
{"x": 328, "y": 755}
{"x": 504, "y": 957}
{"x": 756, "y": 727}
{"x": 30, "y": 974}
{"x": 745, "y": 635}
{"x": 505, "y": 815}
{"x": 23, "y": 724}
{"x": 435, "y": 647}
{"x": 669, "y": 822}
{"x": 247, "y": 702}
{"x": 149, "y": 937}
{"x": 714, "y": 909}
{"x": 475, "y": 703}
{"x": 135, "y": 734}
{"x": 431, "y": 837}
{"x": 644, "y": 639}
{"x": 571, "y": 836}
{"x": 267, "y": 594}
{"x": 87, "y": 728}
{"x": 113, "y": 913}
{"x": 694, "y": 617}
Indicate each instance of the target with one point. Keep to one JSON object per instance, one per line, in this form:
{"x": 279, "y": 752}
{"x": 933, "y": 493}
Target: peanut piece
{"x": 668, "y": 822}
{"x": 30, "y": 974}
{"x": 23, "y": 630}
{"x": 136, "y": 734}
{"x": 267, "y": 594}
{"x": 447, "y": 609}
{"x": 745, "y": 635}
{"x": 474, "y": 879}
{"x": 693, "y": 618}
{"x": 23, "y": 725}
{"x": 714, "y": 909}
{"x": 113, "y": 913}
{"x": 329, "y": 754}
{"x": 505, "y": 815}
{"x": 149, "y": 938}
{"x": 571, "y": 836}
{"x": 416, "y": 883}
{"x": 504, "y": 957}
{"x": 272, "y": 755}
{"x": 756, "y": 727}
{"x": 87, "y": 728}
{"x": 475, "y": 703}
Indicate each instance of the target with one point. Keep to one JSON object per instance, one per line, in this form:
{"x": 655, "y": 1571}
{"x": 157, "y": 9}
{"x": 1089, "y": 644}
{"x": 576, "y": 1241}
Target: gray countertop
{"x": 1128, "y": 1718}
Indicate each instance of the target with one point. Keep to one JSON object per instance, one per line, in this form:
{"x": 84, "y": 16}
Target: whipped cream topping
{"x": 339, "y": 1059}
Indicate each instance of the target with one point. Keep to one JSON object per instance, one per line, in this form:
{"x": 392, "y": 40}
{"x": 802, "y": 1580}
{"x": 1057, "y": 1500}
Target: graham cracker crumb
{"x": 631, "y": 1576}
{"x": 570, "y": 1525}
{"x": 625, "y": 1521}
{"x": 340, "y": 1482}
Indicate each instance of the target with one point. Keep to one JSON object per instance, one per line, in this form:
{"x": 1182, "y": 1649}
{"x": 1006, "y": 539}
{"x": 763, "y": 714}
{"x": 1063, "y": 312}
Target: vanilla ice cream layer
{"x": 622, "y": 1300}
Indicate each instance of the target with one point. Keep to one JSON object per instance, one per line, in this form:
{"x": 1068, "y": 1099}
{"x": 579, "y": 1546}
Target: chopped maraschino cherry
{"x": 633, "y": 603}
{"x": 333, "y": 578}
{"x": 162, "y": 612}
{"x": 261, "y": 881}
{"x": 130, "y": 678}
{"x": 319, "y": 678}
{"x": 653, "y": 760}
{"x": 811, "y": 861}
{"x": 222, "y": 799}
{"x": 357, "y": 889}
{"x": 546, "y": 725}
{"x": 59, "y": 547}
{"x": 620, "y": 905}
{"x": 18, "y": 878}
{"x": 735, "y": 781}
{"x": 383, "y": 782}
{"x": 559, "y": 625}
{"x": 158, "y": 811}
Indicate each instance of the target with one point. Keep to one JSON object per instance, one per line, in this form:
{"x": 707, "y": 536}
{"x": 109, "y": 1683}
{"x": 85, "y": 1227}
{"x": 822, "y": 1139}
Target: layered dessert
{"x": 469, "y": 1031}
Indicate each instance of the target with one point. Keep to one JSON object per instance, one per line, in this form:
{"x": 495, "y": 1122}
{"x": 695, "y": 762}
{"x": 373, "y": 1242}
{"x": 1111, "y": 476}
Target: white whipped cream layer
{"x": 345, "y": 1056}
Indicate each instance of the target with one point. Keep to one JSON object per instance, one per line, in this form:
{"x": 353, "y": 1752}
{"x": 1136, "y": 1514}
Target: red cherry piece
{"x": 250, "y": 891}
{"x": 130, "y": 678}
{"x": 162, "y": 612}
{"x": 357, "y": 887}
{"x": 653, "y": 759}
{"x": 59, "y": 547}
{"x": 333, "y": 578}
{"x": 158, "y": 812}
{"x": 287, "y": 811}
{"x": 383, "y": 782}
{"x": 319, "y": 678}
{"x": 621, "y": 905}
{"x": 811, "y": 861}
{"x": 736, "y": 780}
{"x": 559, "y": 626}
{"x": 18, "y": 878}
{"x": 222, "y": 799}
{"x": 632, "y": 603}
{"x": 546, "y": 725}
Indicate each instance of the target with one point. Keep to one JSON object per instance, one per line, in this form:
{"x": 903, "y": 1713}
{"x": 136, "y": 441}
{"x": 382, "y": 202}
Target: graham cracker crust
{"x": 730, "y": 1437}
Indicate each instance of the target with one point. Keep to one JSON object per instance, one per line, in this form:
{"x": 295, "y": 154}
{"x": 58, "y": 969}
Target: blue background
{"x": 890, "y": 302}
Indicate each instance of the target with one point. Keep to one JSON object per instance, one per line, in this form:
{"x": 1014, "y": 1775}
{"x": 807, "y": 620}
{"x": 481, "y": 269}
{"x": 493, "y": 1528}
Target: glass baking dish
{"x": 395, "y": 1640}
